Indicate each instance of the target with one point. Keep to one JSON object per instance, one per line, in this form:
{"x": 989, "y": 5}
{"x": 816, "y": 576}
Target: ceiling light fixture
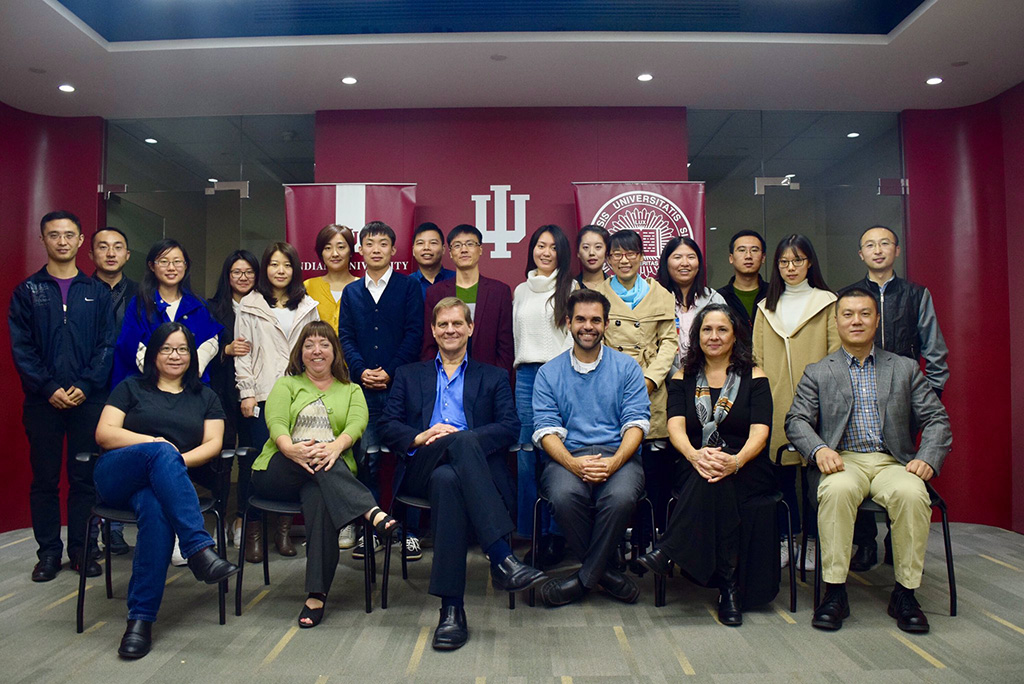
{"x": 853, "y": 135}
{"x": 66, "y": 88}
{"x": 645, "y": 78}
{"x": 212, "y": 180}
{"x": 934, "y": 80}
{"x": 151, "y": 141}
{"x": 349, "y": 80}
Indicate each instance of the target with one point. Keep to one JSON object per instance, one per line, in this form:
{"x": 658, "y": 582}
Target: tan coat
{"x": 783, "y": 358}
{"x": 648, "y": 334}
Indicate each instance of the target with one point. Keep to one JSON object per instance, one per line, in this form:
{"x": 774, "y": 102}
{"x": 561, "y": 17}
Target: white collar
{"x": 584, "y": 368}
{"x": 384, "y": 279}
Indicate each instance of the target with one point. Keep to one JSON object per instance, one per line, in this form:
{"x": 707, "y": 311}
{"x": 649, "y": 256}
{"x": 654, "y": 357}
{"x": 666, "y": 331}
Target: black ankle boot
{"x": 208, "y": 567}
{"x": 137, "y": 639}
{"x": 729, "y": 610}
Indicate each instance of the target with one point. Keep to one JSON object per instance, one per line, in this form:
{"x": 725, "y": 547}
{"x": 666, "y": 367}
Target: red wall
{"x": 455, "y": 153}
{"x": 46, "y": 163}
{"x": 957, "y": 247}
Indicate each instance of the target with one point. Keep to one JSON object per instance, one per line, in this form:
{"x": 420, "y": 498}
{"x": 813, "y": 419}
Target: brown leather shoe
{"x": 254, "y": 541}
{"x": 282, "y": 538}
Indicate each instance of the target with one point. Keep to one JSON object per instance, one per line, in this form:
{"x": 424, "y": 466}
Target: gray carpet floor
{"x": 599, "y": 640}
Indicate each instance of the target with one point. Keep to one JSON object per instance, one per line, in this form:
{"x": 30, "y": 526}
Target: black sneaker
{"x": 413, "y": 552}
{"x": 118, "y": 546}
{"x": 359, "y": 551}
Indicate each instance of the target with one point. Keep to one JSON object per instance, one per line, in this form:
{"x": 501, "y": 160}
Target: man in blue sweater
{"x": 381, "y": 328}
{"x": 590, "y": 415}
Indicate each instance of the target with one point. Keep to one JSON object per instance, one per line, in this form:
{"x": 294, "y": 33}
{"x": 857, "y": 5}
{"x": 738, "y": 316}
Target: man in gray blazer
{"x": 852, "y": 416}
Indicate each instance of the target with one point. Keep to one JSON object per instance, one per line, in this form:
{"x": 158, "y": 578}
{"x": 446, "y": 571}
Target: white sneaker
{"x": 809, "y": 558}
{"x": 347, "y": 537}
{"x": 236, "y": 533}
{"x": 176, "y": 558}
{"x": 784, "y": 552}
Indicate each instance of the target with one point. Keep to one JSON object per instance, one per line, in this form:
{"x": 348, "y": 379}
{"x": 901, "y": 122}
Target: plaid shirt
{"x": 864, "y": 431}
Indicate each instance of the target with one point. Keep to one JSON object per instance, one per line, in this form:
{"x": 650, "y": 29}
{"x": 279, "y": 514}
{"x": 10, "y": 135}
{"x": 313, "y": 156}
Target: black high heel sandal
{"x": 314, "y": 615}
{"x": 382, "y": 529}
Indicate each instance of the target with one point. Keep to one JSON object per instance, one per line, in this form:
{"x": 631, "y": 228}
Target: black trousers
{"x": 467, "y": 488}
{"x": 330, "y": 500}
{"x": 47, "y": 428}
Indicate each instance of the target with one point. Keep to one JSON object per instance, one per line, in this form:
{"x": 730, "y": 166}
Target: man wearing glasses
{"x": 746, "y": 287}
{"x": 489, "y": 301}
{"x": 908, "y": 327}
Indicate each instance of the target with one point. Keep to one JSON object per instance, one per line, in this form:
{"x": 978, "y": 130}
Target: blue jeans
{"x": 530, "y": 459}
{"x": 152, "y": 480}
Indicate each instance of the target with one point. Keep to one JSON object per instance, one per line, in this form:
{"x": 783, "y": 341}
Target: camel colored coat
{"x": 783, "y": 358}
{"x": 648, "y": 334}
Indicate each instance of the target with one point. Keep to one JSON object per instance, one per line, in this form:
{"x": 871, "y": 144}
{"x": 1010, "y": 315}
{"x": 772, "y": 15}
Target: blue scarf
{"x": 634, "y": 295}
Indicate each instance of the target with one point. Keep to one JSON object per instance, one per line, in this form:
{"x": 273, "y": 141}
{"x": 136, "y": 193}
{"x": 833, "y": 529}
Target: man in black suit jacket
{"x": 455, "y": 418}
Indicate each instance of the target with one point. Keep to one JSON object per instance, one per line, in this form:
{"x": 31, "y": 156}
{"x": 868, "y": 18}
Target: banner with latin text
{"x": 310, "y": 207}
{"x": 657, "y": 211}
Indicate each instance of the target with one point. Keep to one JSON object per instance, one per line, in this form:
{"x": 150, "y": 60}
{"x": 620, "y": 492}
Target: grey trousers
{"x": 593, "y": 517}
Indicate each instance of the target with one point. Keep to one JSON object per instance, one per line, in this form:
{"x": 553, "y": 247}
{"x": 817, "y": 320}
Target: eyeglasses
{"x": 784, "y": 263}
{"x": 618, "y": 256}
{"x": 168, "y": 351}
{"x": 468, "y": 244}
{"x": 754, "y": 251}
{"x": 164, "y": 263}
{"x": 235, "y": 273}
{"x": 884, "y": 244}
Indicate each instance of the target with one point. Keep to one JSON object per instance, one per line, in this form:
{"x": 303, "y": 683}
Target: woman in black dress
{"x": 719, "y": 417}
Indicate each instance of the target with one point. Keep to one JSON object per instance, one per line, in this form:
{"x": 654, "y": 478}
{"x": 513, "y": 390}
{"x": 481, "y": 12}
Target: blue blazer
{"x": 487, "y": 396}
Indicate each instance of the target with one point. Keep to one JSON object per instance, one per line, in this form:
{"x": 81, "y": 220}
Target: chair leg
{"x": 367, "y": 566}
{"x": 385, "y": 571}
{"x": 80, "y": 613}
{"x": 222, "y": 586}
{"x": 817, "y": 575}
{"x": 511, "y": 594}
{"x": 241, "y": 564}
{"x": 106, "y": 563}
{"x": 266, "y": 550}
{"x": 792, "y": 568}
{"x": 535, "y": 548}
{"x": 401, "y": 540}
{"x": 949, "y": 561}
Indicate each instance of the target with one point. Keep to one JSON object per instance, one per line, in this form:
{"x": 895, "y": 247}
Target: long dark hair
{"x": 741, "y": 360}
{"x": 318, "y": 329}
{"x": 150, "y": 375}
{"x": 148, "y": 287}
{"x": 700, "y": 281}
{"x": 221, "y": 300}
{"x": 563, "y": 281}
{"x": 295, "y": 290}
{"x": 777, "y": 285}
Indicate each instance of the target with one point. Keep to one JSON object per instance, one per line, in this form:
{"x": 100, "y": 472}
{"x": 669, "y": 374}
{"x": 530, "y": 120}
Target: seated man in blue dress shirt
{"x": 455, "y": 418}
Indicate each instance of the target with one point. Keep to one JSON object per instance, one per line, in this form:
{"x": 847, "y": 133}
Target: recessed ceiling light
{"x": 66, "y": 88}
{"x": 151, "y": 141}
{"x": 853, "y": 135}
{"x": 645, "y": 77}
{"x": 349, "y": 80}
{"x": 213, "y": 180}
{"x": 934, "y": 80}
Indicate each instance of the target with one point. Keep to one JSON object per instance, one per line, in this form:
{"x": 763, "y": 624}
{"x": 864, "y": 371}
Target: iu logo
{"x": 500, "y": 236}
{"x": 653, "y": 216}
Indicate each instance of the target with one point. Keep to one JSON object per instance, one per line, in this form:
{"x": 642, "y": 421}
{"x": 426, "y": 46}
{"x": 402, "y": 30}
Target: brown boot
{"x": 282, "y": 538}
{"x": 254, "y": 541}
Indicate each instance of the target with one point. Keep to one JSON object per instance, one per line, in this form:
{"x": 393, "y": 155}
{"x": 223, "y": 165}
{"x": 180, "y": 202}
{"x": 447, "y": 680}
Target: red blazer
{"x": 492, "y": 341}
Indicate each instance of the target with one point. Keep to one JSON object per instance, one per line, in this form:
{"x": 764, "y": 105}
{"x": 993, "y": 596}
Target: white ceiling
{"x": 709, "y": 71}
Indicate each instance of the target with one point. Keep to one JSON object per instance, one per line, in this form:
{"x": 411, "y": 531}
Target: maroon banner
{"x": 308, "y": 208}
{"x": 657, "y": 211}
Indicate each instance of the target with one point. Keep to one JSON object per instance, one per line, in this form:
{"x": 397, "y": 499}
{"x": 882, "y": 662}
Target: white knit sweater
{"x": 537, "y": 338}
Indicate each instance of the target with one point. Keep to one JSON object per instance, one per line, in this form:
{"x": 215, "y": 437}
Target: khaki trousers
{"x": 888, "y": 483}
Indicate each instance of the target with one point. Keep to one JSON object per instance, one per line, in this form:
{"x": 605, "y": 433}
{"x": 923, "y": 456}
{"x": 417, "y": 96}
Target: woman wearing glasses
{"x": 165, "y": 295}
{"x": 797, "y": 327}
{"x": 237, "y": 279}
{"x": 335, "y": 246}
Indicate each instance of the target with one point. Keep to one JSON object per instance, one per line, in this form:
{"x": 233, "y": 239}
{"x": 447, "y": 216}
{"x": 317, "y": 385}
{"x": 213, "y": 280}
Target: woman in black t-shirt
{"x": 154, "y": 427}
{"x": 719, "y": 418}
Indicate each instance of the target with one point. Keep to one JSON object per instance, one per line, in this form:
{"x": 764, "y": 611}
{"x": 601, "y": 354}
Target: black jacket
{"x": 908, "y": 326}
{"x": 729, "y": 294}
{"x": 56, "y": 349}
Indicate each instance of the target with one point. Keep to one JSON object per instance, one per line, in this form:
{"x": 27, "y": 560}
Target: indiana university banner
{"x": 308, "y": 208}
{"x": 657, "y": 211}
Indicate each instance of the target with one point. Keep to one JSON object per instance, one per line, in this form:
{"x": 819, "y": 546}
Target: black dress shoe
{"x": 656, "y": 561}
{"x": 563, "y": 591}
{"x": 208, "y": 567}
{"x": 92, "y": 568}
{"x": 865, "y": 558}
{"x": 619, "y": 586}
{"x": 904, "y": 607}
{"x": 137, "y": 639}
{"x": 833, "y": 609}
{"x": 46, "y": 569}
{"x": 553, "y": 549}
{"x": 730, "y": 613}
{"x": 512, "y": 574}
{"x": 452, "y": 631}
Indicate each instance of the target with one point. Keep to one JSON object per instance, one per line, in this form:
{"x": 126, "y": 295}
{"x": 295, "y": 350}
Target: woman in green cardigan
{"x": 314, "y": 415}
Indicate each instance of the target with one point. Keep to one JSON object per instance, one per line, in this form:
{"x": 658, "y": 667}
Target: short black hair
{"x": 895, "y": 237}
{"x": 626, "y": 239}
{"x": 464, "y": 229}
{"x": 748, "y": 233}
{"x": 426, "y": 227}
{"x": 92, "y": 240}
{"x": 851, "y": 292}
{"x": 376, "y": 228}
{"x": 57, "y": 216}
{"x": 588, "y": 297}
